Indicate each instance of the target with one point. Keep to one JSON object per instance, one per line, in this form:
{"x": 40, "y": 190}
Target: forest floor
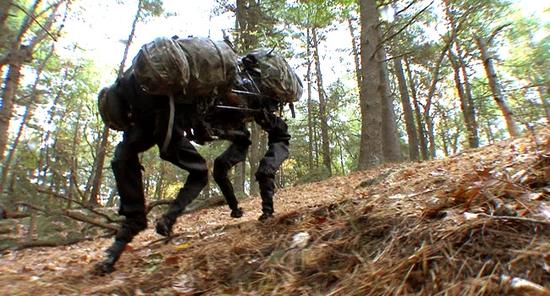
{"x": 477, "y": 223}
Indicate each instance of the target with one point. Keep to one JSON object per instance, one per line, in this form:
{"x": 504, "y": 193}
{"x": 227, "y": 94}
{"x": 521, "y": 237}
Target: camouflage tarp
{"x": 276, "y": 74}
{"x": 187, "y": 68}
{"x": 161, "y": 67}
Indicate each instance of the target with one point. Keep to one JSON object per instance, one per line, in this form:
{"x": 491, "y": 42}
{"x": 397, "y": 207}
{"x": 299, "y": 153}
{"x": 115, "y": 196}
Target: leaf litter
{"x": 476, "y": 223}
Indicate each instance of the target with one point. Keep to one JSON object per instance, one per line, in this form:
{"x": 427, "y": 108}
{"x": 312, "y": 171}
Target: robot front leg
{"x": 265, "y": 175}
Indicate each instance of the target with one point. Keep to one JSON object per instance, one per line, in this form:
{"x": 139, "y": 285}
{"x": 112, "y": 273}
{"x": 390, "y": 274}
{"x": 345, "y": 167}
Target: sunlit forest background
{"x": 384, "y": 81}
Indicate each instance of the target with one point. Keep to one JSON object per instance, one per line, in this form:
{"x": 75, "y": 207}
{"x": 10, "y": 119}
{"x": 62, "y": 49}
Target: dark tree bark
{"x": 390, "y": 135}
{"x": 5, "y": 8}
{"x": 355, "y": 51}
{"x": 323, "y": 116}
{"x": 468, "y": 112}
{"x": 407, "y": 111}
{"x": 370, "y": 150}
{"x": 496, "y": 87}
{"x": 468, "y": 91}
{"x": 418, "y": 115}
{"x": 248, "y": 17}
{"x": 73, "y": 179}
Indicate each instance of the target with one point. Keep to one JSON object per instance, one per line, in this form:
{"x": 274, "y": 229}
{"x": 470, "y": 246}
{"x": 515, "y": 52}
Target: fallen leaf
{"x": 171, "y": 260}
{"x": 300, "y": 240}
{"x": 182, "y": 246}
{"x": 470, "y": 216}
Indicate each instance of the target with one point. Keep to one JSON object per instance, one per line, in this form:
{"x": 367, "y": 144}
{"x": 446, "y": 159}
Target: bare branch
{"x": 496, "y": 31}
{"x": 35, "y": 20}
{"x": 154, "y": 204}
{"x": 83, "y": 205}
{"x": 412, "y": 20}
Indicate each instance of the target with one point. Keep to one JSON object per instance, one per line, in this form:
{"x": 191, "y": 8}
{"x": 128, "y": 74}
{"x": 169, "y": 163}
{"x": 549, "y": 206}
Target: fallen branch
{"x": 73, "y": 215}
{"x": 156, "y": 203}
{"x": 83, "y": 205}
{"x": 523, "y": 219}
{"x": 46, "y": 243}
{"x": 83, "y": 218}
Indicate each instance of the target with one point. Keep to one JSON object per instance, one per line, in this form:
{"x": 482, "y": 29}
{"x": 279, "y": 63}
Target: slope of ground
{"x": 477, "y": 223}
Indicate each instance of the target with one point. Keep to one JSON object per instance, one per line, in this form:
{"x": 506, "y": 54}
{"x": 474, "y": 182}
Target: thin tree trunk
{"x": 370, "y": 150}
{"x": 159, "y": 186}
{"x": 418, "y": 114}
{"x": 496, "y": 87}
{"x": 27, "y": 115}
{"x": 309, "y": 101}
{"x": 407, "y": 111}
{"x": 545, "y": 103}
{"x": 355, "y": 51}
{"x": 431, "y": 133}
{"x": 467, "y": 109}
{"x": 443, "y": 130}
{"x": 316, "y": 141}
{"x": 254, "y": 157}
{"x": 239, "y": 178}
{"x": 73, "y": 181}
{"x": 469, "y": 94}
{"x": 323, "y": 116}
{"x": 247, "y": 19}
{"x": 17, "y": 56}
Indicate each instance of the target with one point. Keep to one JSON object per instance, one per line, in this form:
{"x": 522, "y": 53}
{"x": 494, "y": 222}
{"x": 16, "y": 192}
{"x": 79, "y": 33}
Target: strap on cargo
{"x": 221, "y": 58}
{"x": 168, "y": 136}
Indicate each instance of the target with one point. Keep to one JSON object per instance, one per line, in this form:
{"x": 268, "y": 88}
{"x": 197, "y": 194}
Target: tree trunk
{"x": 18, "y": 55}
{"x": 545, "y": 103}
{"x": 239, "y": 178}
{"x": 370, "y": 150}
{"x": 443, "y": 130}
{"x": 159, "y": 185}
{"x": 27, "y": 115}
{"x": 496, "y": 87}
{"x": 247, "y": 20}
{"x": 431, "y": 133}
{"x": 390, "y": 135}
{"x": 6, "y": 112}
{"x": 73, "y": 181}
{"x": 355, "y": 51}
{"x": 5, "y": 7}
{"x": 467, "y": 109}
{"x": 407, "y": 111}
{"x": 323, "y": 116}
{"x": 254, "y": 157}
{"x": 469, "y": 95}
{"x": 15, "y": 51}
{"x": 310, "y": 118}
{"x": 418, "y": 114}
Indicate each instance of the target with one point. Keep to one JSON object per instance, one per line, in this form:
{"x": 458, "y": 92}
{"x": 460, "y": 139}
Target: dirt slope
{"x": 477, "y": 223}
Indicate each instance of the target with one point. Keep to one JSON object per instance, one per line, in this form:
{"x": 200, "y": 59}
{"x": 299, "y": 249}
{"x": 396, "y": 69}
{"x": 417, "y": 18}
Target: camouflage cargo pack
{"x": 186, "y": 68}
{"x": 276, "y": 74}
